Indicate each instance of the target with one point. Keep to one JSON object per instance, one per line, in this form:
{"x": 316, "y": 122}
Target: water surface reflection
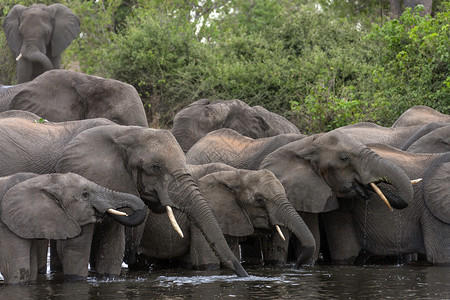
{"x": 318, "y": 282}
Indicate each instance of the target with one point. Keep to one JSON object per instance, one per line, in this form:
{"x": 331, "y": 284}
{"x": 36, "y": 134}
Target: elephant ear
{"x": 97, "y": 155}
{"x": 66, "y": 28}
{"x": 219, "y": 193}
{"x": 436, "y": 191}
{"x": 246, "y": 121}
{"x": 31, "y": 211}
{"x": 55, "y": 104}
{"x": 305, "y": 190}
{"x": 11, "y": 28}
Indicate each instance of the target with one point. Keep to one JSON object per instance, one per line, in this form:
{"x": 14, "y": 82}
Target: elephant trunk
{"x": 117, "y": 200}
{"x": 186, "y": 196}
{"x": 287, "y": 216}
{"x": 382, "y": 170}
{"x": 34, "y": 52}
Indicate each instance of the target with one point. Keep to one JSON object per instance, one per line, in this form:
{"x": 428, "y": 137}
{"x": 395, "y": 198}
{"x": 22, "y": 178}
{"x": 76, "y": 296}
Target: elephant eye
{"x": 259, "y": 200}
{"x": 157, "y": 168}
{"x": 344, "y": 158}
{"x": 85, "y": 195}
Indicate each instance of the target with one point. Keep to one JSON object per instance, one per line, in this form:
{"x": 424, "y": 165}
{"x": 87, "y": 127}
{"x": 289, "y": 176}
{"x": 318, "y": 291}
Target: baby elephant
{"x": 52, "y": 206}
{"x": 244, "y": 203}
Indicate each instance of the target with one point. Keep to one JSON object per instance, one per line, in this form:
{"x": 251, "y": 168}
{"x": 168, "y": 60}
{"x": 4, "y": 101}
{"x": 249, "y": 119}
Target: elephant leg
{"x": 74, "y": 254}
{"x": 36, "y": 246}
{"x": 55, "y": 261}
{"x": 24, "y": 70}
{"x": 341, "y": 237}
{"x": 133, "y": 237}
{"x": 275, "y": 250}
{"x": 108, "y": 248}
{"x": 15, "y": 256}
{"x": 42, "y": 250}
{"x": 201, "y": 255}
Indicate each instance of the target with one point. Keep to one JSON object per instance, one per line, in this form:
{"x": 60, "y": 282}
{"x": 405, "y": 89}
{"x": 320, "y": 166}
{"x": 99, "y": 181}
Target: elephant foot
{"x": 107, "y": 277}
{"x": 73, "y": 278}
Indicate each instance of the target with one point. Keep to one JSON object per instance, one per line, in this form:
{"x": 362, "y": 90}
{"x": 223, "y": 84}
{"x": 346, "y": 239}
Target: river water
{"x": 317, "y": 282}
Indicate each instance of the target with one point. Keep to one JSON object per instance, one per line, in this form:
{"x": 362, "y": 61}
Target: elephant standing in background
{"x": 232, "y": 148}
{"x": 437, "y": 141}
{"x": 200, "y": 117}
{"x": 140, "y": 161}
{"x": 51, "y": 206}
{"x": 423, "y": 227}
{"x": 397, "y": 137}
{"x": 37, "y": 36}
{"x": 420, "y": 115}
{"x": 63, "y": 95}
{"x": 244, "y": 202}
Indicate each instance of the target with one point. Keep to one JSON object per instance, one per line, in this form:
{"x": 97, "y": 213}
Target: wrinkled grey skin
{"x": 63, "y": 95}
{"x": 200, "y": 117}
{"x": 140, "y": 161}
{"x": 396, "y": 137}
{"x": 437, "y": 141}
{"x": 317, "y": 170}
{"x": 244, "y": 203}
{"x": 423, "y": 227}
{"x": 232, "y": 148}
{"x": 420, "y": 115}
{"x": 50, "y": 206}
{"x": 40, "y": 33}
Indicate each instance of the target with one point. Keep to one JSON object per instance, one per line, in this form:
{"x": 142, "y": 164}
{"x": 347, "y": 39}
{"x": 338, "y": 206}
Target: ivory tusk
{"x": 382, "y": 196}
{"x": 414, "y": 181}
{"x": 279, "y": 232}
{"x": 173, "y": 221}
{"x": 116, "y": 212}
{"x": 19, "y": 57}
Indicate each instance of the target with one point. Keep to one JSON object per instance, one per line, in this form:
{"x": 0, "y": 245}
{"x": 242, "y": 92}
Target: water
{"x": 318, "y": 282}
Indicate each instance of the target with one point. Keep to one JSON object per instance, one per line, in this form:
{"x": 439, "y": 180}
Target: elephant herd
{"x": 228, "y": 183}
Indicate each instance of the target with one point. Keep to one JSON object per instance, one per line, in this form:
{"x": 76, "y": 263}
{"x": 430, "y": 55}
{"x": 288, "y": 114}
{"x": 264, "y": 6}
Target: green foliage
{"x": 413, "y": 64}
{"x": 322, "y": 67}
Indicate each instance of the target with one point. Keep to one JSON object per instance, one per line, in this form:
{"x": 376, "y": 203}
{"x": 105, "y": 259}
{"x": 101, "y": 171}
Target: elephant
{"x": 245, "y": 202}
{"x": 63, "y": 95}
{"x": 423, "y": 227}
{"x": 51, "y": 206}
{"x": 420, "y": 115}
{"x": 437, "y": 141}
{"x": 232, "y": 148}
{"x": 200, "y": 117}
{"x": 37, "y": 36}
{"x": 315, "y": 171}
{"x": 398, "y": 137}
{"x": 137, "y": 160}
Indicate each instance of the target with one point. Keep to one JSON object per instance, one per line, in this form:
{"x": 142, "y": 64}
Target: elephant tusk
{"x": 116, "y": 212}
{"x": 414, "y": 181}
{"x": 279, "y": 232}
{"x": 19, "y": 57}
{"x": 173, "y": 221}
{"x": 382, "y": 196}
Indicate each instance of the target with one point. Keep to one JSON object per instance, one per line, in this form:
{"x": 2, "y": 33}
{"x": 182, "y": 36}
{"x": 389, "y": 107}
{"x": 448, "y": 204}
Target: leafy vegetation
{"x": 321, "y": 64}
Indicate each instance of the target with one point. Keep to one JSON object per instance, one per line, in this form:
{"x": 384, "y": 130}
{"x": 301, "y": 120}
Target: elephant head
{"x": 37, "y": 35}
{"x": 79, "y": 96}
{"x": 244, "y": 200}
{"x": 316, "y": 170}
{"x": 56, "y": 206}
{"x": 200, "y": 117}
{"x": 148, "y": 163}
